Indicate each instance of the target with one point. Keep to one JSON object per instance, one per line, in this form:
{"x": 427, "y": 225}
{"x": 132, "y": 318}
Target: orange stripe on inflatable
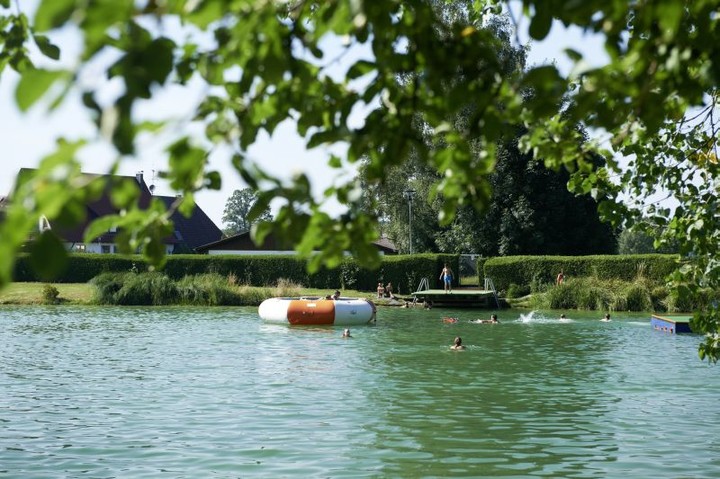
{"x": 311, "y": 312}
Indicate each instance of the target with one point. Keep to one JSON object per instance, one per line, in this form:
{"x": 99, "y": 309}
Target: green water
{"x": 197, "y": 393}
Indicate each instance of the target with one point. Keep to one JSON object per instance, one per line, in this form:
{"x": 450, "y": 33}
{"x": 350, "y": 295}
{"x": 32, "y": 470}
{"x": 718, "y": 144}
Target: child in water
{"x": 457, "y": 345}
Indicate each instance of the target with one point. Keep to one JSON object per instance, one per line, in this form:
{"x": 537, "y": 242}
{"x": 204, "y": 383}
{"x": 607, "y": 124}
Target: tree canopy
{"x": 237, "y": 213}
{"x": 653, "y": 105}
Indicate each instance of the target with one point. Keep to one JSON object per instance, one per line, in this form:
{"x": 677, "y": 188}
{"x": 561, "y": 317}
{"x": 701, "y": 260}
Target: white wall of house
{"x": 258, "y": 252}
{"x": 248, "y": 252}
{"x": 101, "y": 248}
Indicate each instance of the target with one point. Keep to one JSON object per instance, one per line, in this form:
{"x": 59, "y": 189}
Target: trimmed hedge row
{"x": 404, "y": 271}
{"x": 526, "y": 271}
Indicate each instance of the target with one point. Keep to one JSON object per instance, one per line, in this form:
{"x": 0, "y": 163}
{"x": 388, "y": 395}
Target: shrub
{"x": 517, "y": 291}
{"x": 159, "y": 289}
{"x": 50, "y": 294}
{"x": 596, "y": 295}
{"x": 637, "y": 298}
{"x": 564, "y": 296}
{"x": 285, "y": 288}
{"x": 658, "y": 296}
{"x": 106, "y": 287}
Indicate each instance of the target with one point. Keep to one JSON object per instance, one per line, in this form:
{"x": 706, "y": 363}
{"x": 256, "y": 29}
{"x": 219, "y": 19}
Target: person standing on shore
{"x": 446, "y": 276}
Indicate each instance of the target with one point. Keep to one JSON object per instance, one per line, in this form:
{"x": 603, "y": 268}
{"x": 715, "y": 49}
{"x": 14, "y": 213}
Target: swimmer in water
{"x": 457, "y": 345}
{"x": 493, "y": 320}
{"x": 346, "y": 333}
{"x": 606, "y": 318}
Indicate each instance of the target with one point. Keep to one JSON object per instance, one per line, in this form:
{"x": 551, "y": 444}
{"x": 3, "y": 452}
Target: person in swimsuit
{"x": 447, "y": 275}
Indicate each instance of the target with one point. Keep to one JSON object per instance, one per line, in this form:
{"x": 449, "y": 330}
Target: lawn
{"x": 32, "y": 293}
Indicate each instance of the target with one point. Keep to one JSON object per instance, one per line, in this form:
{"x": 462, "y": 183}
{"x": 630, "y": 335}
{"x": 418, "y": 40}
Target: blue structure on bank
{"x": 671, "y": 324}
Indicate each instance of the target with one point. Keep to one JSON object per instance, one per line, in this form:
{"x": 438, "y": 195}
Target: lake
{"x": 215, "y": 392}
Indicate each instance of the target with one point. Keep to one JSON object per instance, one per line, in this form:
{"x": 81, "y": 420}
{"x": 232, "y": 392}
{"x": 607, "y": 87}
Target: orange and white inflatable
{"x": 318, "y": 311}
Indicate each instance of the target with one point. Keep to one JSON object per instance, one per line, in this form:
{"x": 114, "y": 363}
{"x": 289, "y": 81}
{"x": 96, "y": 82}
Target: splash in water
{"x": 527, "y": 318}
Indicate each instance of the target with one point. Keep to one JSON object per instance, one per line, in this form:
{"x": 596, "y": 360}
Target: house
{"x": 189, "y": 233}
{"x": 242, "y": 244}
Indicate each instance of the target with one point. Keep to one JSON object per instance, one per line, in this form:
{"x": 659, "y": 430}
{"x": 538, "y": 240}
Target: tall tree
{"x": 236, "y": 215}
{"x": 655, "y": 102}
{"x": 531, "y": 210}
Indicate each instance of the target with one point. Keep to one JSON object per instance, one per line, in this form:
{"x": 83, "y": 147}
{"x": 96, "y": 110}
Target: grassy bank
{"x": 640, "y": 294}
{"x": 86, "y": 293}
{"x": 33, "y": 293}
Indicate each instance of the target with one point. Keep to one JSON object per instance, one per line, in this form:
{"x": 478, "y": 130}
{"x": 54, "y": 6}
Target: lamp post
{"x": 409, "y": 194}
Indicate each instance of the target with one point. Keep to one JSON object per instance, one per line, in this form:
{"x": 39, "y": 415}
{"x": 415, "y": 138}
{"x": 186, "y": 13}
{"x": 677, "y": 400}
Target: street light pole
{"x": 409, "y": 194}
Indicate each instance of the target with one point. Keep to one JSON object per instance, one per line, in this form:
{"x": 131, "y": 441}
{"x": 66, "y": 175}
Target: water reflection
{"x": 197, "y": 392}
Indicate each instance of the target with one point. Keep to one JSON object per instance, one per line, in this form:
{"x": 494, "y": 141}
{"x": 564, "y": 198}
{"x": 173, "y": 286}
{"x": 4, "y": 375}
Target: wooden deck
{"x": 459, "y": 298}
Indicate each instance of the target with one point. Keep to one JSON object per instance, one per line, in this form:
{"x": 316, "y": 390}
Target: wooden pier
{"x": 459, "y": 298}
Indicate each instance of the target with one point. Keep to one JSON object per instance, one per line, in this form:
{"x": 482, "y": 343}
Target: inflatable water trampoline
{"x": 318, "y": 311}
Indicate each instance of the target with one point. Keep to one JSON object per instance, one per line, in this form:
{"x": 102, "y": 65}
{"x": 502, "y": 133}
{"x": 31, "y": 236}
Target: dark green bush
{"x": 638, "y": 298}
{"x": 50, "y": 294}
{"x": 517, "y": 291}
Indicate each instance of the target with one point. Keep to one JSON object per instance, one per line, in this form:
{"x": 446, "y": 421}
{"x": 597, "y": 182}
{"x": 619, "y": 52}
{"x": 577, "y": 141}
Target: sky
{"x": 27, "y": 137}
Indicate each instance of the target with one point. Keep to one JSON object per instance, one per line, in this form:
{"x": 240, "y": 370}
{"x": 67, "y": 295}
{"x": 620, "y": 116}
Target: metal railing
{"x": 490, "y": 286}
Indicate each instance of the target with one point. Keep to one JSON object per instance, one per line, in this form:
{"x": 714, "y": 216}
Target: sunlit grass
{"x": 84, "y": 293}
{"x": 32, "y": 293}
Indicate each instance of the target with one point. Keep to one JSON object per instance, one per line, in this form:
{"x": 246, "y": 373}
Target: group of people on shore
{"x": 385, "y": 291}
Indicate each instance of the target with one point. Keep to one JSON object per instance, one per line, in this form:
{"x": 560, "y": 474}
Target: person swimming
{"x": 493, "y": 320}
{"x": 346, "y": 333}
{"x": 457, "y": 345}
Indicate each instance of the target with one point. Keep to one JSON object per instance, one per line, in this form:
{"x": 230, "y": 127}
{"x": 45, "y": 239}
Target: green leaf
{"x": 47, "y": 47}
{"x": 541, "y": 22}
{"x": 670, "y": 12}
{"x": 48, "y": 256}
{"x": 53, "y": 14}
{"x": 335, "y": 162}
{"x": 260, "y": 231}
{"x": 5, "y": 3}
{"x": 360, "y": 68}
{"x": 99, "y": 227}
{"x": 33, "y": 84}
{"x": 573, "y": 54}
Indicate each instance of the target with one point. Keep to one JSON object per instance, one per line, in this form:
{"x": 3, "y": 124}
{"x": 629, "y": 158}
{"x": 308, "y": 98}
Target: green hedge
{"x": 81, "y": 267}
{"x": 529, "y": 271}
{"x": 404, "y": 271}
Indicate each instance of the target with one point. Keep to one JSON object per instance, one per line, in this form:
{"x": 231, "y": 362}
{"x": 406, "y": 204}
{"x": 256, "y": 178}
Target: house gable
{"x": 189, "y": 232}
